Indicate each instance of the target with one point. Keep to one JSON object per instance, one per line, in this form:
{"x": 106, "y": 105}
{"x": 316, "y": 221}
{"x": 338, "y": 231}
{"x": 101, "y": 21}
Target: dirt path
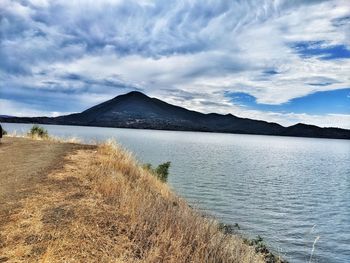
{"x": 23, "y": 164}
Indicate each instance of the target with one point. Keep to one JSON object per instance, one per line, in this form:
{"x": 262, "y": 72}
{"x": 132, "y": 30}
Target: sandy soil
{"x": 26, "y": 162}
{"x": 24, "y": 165}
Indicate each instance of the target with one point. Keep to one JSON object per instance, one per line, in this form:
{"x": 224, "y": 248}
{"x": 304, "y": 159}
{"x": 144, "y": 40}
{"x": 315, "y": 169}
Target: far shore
{"x": 170, "y": 130}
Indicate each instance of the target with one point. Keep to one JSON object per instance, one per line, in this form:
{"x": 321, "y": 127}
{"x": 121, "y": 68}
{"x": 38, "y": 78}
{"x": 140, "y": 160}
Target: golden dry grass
{"x": 104, "y": 207}
{"x": 50, "y": 138}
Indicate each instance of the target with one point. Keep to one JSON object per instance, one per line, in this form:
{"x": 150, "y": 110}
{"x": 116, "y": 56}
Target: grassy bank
{"x": 103, "y": 206}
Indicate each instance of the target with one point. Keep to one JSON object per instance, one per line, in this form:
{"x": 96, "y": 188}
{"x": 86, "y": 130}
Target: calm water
{"x": 288, "y": 190}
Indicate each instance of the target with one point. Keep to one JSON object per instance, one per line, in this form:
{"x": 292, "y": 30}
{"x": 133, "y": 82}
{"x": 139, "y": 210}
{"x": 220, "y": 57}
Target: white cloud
{"x": 8, "y": 107}
{"x": 202, "y": 48}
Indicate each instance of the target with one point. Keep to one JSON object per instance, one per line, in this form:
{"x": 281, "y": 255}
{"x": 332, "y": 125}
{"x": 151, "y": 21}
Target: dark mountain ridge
{"x": 136, "y": 110}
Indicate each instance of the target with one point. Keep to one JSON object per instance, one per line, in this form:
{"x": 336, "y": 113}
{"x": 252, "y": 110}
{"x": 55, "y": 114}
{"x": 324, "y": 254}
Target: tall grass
{"x": 39, "y": 133}
{"x": 103, "y": 206}
{"x": 161, "y": 227}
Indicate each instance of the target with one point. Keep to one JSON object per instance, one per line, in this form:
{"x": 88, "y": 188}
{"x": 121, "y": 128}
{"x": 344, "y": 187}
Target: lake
{"x": 290, "y": 191}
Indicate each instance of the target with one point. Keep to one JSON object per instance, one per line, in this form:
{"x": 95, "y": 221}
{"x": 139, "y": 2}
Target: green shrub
{"x": 38, "y": 131}
{"x": 4, "y": 132}
{"x": 161, "y": 172}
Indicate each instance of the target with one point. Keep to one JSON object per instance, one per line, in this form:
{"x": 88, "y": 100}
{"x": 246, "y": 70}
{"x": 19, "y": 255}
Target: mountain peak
{"x": 135, "y": 93}
{"x": 137, "y": 110}
{"x": 303, "y": 125}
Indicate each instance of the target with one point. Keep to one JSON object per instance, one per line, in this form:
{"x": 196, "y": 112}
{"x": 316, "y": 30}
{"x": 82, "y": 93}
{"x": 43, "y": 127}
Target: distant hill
{"x": 136, "y": 110}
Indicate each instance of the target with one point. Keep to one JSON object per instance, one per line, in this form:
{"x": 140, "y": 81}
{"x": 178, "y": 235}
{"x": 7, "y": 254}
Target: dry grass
{"x": 103, "y": 207}
{"x": 49, "y": 138}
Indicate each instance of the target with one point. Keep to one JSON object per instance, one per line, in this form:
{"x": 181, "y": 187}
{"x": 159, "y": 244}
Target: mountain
{"x": 136, "y": 110}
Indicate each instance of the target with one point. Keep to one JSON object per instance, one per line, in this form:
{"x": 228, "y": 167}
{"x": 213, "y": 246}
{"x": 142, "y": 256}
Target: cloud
{"x": 186, "y": 52}
{"x": 337, "y": 102}
{"x": 8, "y": 107}
{"x": 321, "y": 50}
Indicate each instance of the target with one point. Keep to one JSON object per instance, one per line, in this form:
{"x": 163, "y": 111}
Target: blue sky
{"x": 318, "y": 103}
{"x": 282, "y": 61}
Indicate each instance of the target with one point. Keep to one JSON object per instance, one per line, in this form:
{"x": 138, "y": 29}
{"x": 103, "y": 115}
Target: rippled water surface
{"x": 288, "y": 190}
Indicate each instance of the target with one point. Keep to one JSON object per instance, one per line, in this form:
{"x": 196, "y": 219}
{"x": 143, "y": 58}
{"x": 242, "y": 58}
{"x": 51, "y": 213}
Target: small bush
{"x": 37, "y": 131}
{"x": 4, "y": 132}
{"x": 161, "y": 172}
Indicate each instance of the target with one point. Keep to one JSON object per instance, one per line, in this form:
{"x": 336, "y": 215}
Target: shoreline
{"x": 179, "y": 130}
{"x": 100, "y": 179}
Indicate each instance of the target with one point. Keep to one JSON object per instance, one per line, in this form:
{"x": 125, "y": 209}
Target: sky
{"x": 280, "y": 60}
